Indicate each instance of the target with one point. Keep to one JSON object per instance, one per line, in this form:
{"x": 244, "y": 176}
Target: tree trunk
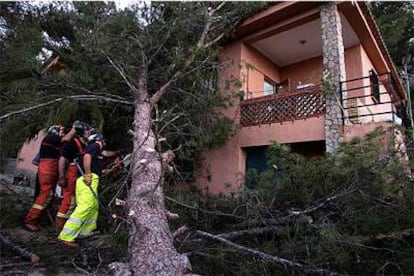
{"x": 150, "y": 245}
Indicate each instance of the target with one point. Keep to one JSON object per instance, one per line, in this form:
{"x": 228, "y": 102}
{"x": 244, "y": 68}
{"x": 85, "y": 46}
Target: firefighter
{"x": 47, "y": 173}
{"x": 35, "y": 162}
{"x": 69, "y": 173}
{"x": 82, "y": 222}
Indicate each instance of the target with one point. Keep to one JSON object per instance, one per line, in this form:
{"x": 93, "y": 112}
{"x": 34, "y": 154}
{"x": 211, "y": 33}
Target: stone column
{"x": 334, "y": 72}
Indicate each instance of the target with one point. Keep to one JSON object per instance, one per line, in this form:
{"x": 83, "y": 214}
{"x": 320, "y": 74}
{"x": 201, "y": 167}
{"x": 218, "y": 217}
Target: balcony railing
{"x": 369, "y": 99}
{"x": 276, "y": 108}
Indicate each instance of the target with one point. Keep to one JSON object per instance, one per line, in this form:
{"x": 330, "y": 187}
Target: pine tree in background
{"x": 151, "y": 68}
{"x": 391, "y": 16}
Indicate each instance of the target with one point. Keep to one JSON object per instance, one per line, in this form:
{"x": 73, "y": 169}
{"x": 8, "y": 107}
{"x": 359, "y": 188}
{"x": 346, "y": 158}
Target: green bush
{"x": 373, "y": 196}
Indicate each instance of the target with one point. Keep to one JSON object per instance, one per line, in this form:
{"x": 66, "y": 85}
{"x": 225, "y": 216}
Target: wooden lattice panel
{"x": 281, "y": 108}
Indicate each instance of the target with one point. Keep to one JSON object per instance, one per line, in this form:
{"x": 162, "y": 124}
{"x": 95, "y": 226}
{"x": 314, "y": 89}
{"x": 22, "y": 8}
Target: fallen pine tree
{"x": 351, "y": 213}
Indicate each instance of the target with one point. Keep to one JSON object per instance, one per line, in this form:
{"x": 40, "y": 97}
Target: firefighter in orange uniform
{"x": 47, "y": 173}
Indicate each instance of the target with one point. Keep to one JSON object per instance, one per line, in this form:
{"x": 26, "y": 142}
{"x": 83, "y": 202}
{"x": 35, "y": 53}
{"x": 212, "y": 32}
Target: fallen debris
{"x": 34, "y": 259}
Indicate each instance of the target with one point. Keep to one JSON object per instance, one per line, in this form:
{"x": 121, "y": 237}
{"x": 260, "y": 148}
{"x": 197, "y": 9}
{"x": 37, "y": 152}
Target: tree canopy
{"x": 390, "y": 17}
{"x": 99, "y": 48}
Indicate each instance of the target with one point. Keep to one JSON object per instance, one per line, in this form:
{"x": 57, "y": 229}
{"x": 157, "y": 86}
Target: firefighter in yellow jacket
{"x": 82, "y": 222}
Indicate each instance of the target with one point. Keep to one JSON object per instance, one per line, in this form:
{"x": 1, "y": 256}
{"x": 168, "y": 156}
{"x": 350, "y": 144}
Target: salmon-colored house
{"x": 307, "y": 74}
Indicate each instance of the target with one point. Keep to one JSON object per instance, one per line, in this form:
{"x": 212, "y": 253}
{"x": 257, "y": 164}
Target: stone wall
{"x": 334, "y": 72}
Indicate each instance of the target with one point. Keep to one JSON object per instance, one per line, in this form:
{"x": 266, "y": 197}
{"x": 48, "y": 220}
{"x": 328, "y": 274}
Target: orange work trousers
{"x": 68, "y": 202}
{"x": 48, "y": 177}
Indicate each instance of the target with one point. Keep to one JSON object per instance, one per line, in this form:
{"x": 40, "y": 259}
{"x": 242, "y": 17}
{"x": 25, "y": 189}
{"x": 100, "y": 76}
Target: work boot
{"x": 70, "y": 244}
{"x": 30, "y": 227}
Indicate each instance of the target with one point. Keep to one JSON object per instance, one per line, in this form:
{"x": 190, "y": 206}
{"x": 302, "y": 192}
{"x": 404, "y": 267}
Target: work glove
{"x": 87, "y": 178}
{"x": 62, "y": 182}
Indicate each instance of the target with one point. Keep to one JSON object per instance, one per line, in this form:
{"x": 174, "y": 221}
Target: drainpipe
{"x": 406, "y": 60}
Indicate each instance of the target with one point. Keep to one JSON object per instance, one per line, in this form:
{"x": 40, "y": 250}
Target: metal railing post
{"x": 391, "y": 84}
{"x": 342, "y": 102}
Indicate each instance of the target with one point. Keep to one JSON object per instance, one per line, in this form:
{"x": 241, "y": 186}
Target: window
{"x": 269, "y": 87}
{"x": 256, "y": 162}
{"x": 375, "y": 87}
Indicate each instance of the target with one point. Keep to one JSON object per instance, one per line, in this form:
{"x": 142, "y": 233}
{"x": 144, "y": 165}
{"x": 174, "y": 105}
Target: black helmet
{"x": 81, "y": 127}
{"x": 54, "y": 129}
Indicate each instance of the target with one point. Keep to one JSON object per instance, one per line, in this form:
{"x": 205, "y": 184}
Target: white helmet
{"x": 96, "y": 137}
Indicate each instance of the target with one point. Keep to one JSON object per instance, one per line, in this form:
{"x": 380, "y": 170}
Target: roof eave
{"x": 377, "y": 43}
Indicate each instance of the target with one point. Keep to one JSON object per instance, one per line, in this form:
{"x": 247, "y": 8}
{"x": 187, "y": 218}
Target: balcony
{"x": 369, "y": 99}
{"x": 278, "y": 108}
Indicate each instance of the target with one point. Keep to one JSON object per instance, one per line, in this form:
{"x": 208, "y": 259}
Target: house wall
{"x": 29, "y": 149}
{"x": 311, "y": 129}
{"x": 354, "y": 70}
{"x": 367, "y": 65}
{"x": 360, "y": 130}
{"x": 25, "y": 156}
{"x": 310, "y": 71}
{"x": 220, "y": 170}
{"x": 254, "y": 67}
{"x": 303, "y": 72}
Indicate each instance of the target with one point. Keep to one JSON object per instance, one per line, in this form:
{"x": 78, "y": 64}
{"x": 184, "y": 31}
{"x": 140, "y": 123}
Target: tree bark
{"x": 151, "y": 247}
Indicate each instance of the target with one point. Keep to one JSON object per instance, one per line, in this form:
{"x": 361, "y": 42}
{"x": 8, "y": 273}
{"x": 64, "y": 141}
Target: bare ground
{"x": 92, "y": 258}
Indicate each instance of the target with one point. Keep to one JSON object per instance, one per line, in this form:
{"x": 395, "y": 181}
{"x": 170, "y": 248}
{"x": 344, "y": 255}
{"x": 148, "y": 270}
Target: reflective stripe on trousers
{"x": 83, "y": 219}
{"x": 48, "y": 174}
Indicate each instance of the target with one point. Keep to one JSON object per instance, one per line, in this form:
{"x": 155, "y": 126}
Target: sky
{"x": 121, "y": 4}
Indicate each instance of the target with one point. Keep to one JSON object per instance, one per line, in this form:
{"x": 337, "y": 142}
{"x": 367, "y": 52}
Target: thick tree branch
{"x": 396, "y": 235}
{"x": 73, "y": 97}
{"x": 321, "y": 204}
{"x": 265, "y": 257}
{"x": 202, "y": 210}
{"x": 294, "y": 214}
{"x": 271, "y": 221}
{"x": 163, "y": 90}
{"x": 213, "y": 41}
{"x": 256, "y": 231}
{"x": 180, "y": 231}
{"x": 72, "y": 87}
{"x": 201, "y": 44}
{"x": 34, "y": 259}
